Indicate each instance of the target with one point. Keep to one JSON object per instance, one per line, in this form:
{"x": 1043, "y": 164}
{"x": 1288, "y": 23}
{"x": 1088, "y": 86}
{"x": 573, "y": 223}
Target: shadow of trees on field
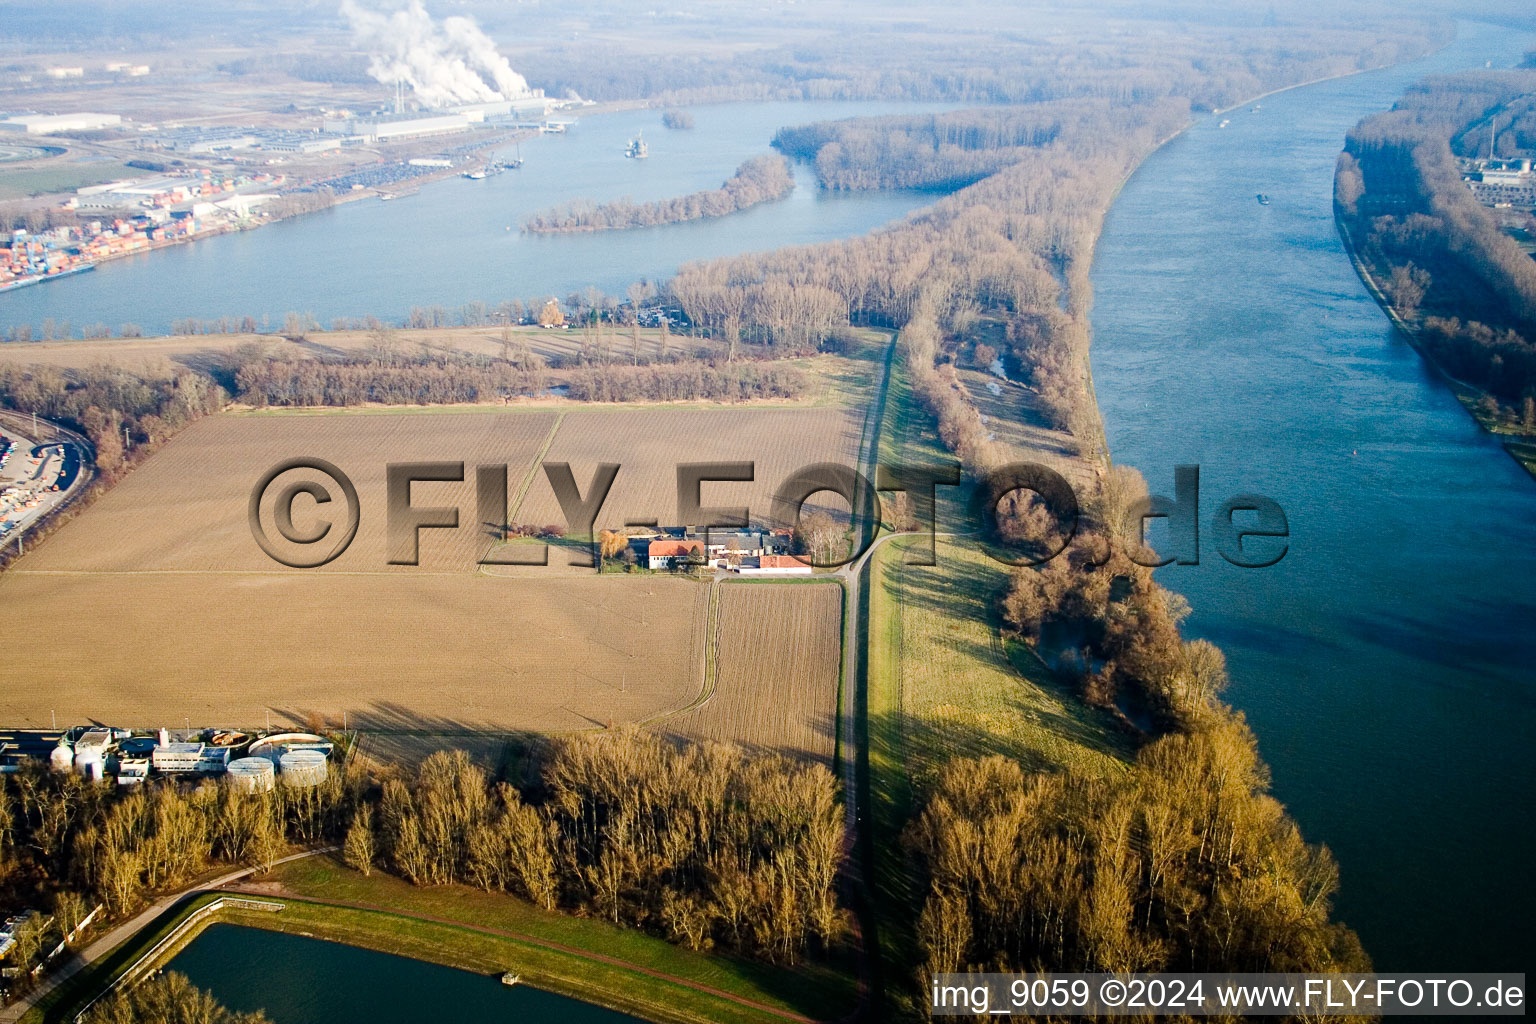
{"x": 965, "y": 593}
{"x": 393, "y": 732}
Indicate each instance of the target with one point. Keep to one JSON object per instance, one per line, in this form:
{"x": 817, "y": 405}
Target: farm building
{"x": 670, "y": 554}
{"x": 736, "y": 546}
{"x": 774, "y": 565}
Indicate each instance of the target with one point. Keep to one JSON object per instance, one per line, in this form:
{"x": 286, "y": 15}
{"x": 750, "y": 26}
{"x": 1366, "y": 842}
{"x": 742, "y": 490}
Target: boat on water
{"x": 493, "y": 168}
{"x": 1262, "y": 198}
{"x": 511, "y": 979}
{"x": 637, "y": 149}
{"x": 31, "y": 279}
{"x": 1225, "y": 123}
{"x": 387, "y": 196}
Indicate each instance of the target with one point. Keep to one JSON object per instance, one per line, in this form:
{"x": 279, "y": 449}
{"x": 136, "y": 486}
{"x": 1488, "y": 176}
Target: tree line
{"x": 1187, "y": 864}
{"x": 698, "y": 843}
{"x": 947, "y": 151}
{"x": 758, "y": 180}
{"x": 407, "y": 380}
{"x": 991, "y": 55}
{"x": 1439, "y": 257}
{"x": 693, "y": 380}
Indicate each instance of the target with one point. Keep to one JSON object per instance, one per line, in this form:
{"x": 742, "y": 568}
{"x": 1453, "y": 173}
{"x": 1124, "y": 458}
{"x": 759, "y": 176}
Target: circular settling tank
{"x": 303, "y": 769}
{"x": 251, "y": 774}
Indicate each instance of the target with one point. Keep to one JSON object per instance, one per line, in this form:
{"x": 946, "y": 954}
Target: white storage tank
{"x": 62, "y": 757}
{"x": 90, "y": 763}
{"x": 251, "y": 774}
{"x": 303, "y": 769}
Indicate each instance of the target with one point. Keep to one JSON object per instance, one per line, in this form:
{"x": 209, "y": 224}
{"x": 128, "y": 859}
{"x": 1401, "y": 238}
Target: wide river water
{"x": 1385, "y": 663}
{"x": 301, "y": 980}
{"x": 1388, "y": 663}
{"x": 458, "y": 241}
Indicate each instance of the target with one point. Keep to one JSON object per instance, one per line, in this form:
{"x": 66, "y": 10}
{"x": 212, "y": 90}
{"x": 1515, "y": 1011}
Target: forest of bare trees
{"x": 1186, "y": 865}
{"x": 758, "y": 180}
{"x": 943, "y": 151}
{"x": 984, "y": 54}
{"x": 1439, "y": 256}
{"x": 690, "y": 380}
{"x": 166, "y": 999}
{"x": 126, "y": 415}
{"x": 404, "y": 380}
{"x": 699, "y": 843}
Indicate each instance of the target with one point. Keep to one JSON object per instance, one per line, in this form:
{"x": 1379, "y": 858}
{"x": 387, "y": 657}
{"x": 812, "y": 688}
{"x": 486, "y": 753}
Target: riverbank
{"x": 586, "y": 959}
{"x": 483, "y": 933}
{"x": 269, "y": 214}
{"x": 1520, "y": 446}
{"x": 1381, "y": 663}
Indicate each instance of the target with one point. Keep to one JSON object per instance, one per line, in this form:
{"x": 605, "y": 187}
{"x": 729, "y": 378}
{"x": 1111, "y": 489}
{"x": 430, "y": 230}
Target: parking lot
{"x": 37, "y": 475}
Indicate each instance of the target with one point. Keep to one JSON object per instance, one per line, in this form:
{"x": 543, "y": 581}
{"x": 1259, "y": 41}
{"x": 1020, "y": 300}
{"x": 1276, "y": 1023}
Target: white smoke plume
{"x": 443, "y": 65}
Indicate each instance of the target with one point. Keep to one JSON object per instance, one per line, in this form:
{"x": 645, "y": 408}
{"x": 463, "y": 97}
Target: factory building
{"x": 47, "y": 124}
{"x": 534, "y": 106}
{"x": 207, "y": 140}
{"x": 222, "y": 139}
{"x": 379, "y": 127}
{"x": 303, "y": 143}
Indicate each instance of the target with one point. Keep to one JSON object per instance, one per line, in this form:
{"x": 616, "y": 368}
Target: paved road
{"x": 45, "y": 442}
{"x": 127, "y": 930}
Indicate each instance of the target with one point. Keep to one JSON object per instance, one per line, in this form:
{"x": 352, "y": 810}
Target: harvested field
{"x": 437, "y": 654}
{"x": 185, "y": 510}
{"x": 776, "y": 664}
{"x": 173, "y": 613}
{"x": 649, "y": 445}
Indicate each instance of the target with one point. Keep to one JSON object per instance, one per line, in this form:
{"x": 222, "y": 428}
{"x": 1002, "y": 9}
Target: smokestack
{"x": 444, "y": 64}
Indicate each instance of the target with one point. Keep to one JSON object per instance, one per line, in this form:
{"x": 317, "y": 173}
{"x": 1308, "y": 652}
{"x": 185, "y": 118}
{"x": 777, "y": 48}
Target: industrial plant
{"x": 252, "y": 762}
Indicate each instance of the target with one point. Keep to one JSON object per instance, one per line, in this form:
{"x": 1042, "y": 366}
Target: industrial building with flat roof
{"x": 47, "y": 124}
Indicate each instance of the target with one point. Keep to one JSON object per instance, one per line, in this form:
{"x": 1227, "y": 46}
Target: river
{"x": 458, "y": 241}
{"x": 302, "y": 980}
{"x": 1386, "y": 664}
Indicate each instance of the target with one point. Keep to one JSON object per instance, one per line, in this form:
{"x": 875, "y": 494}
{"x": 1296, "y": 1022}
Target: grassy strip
{"x": 941, "y": 681}
{"x": 393, "y": 924}
{"x": 67, "y": 1000}
{"x": 812, "y": 989}
{"x": 459, "y": 946}
{"x": 884, "y": 788}
{"x": 60, "y": 176}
